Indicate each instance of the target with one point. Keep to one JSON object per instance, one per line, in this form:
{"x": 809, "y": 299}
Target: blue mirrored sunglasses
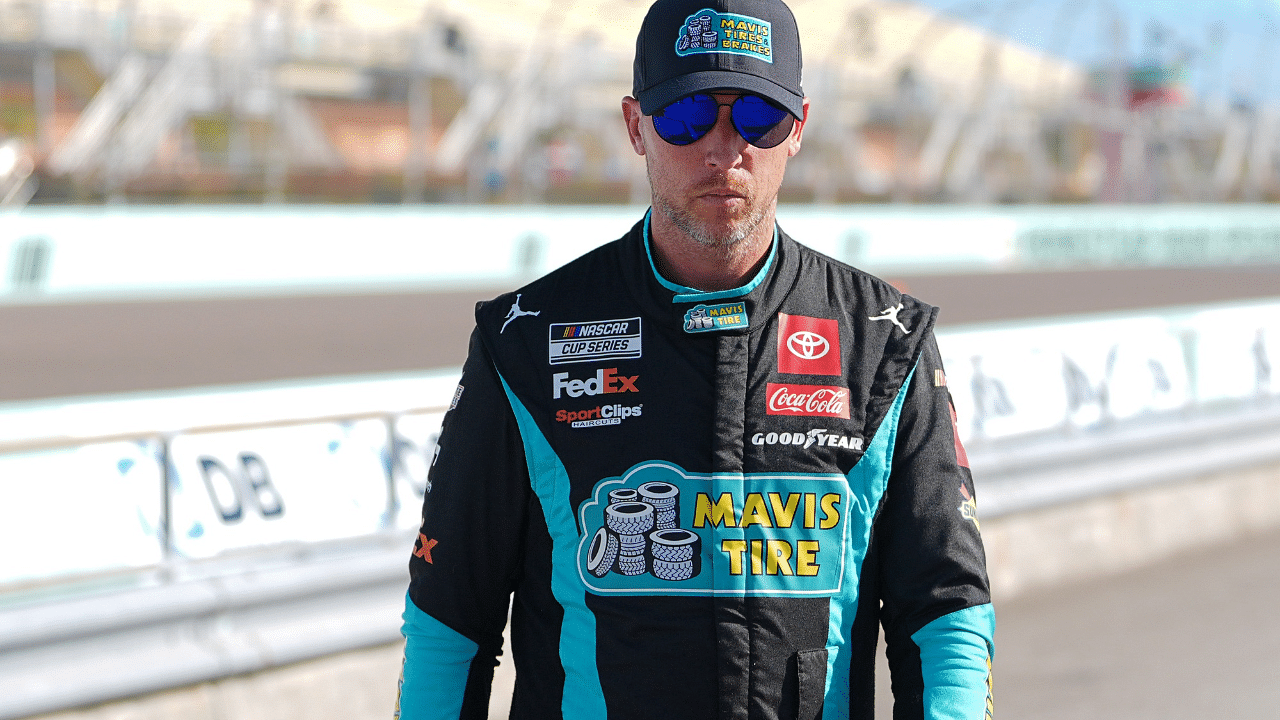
{"x": 757, "y": 120}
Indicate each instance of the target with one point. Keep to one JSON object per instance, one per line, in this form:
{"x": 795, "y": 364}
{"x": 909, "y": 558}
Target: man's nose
{"x": 724, "y": 145}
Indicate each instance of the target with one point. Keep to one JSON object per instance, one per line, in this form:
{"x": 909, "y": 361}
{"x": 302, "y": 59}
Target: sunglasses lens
{"x": 760, "y": 122}
{"x": 685, "y": 120}
{"x": 757, "y": 120}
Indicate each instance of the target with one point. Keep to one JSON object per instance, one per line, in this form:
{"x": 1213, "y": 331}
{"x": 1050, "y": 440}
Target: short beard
{"x": 729, "y": 242}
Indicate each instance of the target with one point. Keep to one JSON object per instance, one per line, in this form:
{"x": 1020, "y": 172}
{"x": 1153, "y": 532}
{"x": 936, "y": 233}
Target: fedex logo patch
{"x": 808, "y": 346}
{"x": 606, "y": 381}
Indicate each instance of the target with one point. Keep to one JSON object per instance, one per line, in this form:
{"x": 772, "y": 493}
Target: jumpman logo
{"x": 516, "y": 312}
{"x": 891, "y": 314}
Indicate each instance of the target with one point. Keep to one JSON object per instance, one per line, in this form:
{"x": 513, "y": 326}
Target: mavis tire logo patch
{"x": 808, "y": 346}
{"x": 599, "y": 415}
{"x": 708, "y": 318}
{"x": 659, "y": 530}
{"x": 597, "y": 340}
{"x": 605, "y": 382}
{"x": 708, "y": 31}
{"x": 807, "y": 400}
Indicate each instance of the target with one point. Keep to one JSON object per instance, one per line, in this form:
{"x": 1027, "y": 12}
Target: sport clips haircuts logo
{"x": 808, "y": 400}
{"x": 599, "y": 415}
{"x": 808, "y": 345}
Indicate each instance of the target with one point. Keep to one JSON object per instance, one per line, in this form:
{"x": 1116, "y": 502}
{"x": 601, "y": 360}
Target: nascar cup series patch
{"x": 658, "y": 530}
{"x": 708, "y": 31}
{"x": 708, "y": 318}
{"x": 595, "y": 340}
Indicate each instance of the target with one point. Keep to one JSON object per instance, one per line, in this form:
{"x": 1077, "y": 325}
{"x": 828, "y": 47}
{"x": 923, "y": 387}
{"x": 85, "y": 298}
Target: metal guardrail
{"x": 273, "y": 609}
{"x": 1021, "y": 474}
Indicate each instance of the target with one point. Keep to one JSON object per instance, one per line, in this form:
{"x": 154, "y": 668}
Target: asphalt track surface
{"x": 1190, "y": 638}
{"x": 1194, "y": 637}
{"x": 57, "y": 349}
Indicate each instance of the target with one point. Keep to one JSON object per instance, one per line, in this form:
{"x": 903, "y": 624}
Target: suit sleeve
{"x": 468, "y": 553}
{"x": 937, "y": 616}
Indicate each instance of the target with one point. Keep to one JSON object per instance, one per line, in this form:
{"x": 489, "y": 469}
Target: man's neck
{"x": 683, "y": 260}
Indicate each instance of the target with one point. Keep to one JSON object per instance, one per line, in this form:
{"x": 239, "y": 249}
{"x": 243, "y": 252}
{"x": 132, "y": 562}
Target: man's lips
{"x": 722, "y": 194}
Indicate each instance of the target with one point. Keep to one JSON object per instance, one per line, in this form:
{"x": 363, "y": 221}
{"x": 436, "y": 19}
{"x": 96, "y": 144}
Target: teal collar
{"x": 688, "y": 294}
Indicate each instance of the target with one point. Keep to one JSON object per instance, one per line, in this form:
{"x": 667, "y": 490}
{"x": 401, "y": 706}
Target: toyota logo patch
{"x": 808, "y": 345}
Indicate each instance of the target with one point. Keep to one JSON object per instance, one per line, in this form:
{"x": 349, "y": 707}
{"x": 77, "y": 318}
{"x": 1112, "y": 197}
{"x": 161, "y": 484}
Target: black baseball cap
{"x": 689, "y": 46}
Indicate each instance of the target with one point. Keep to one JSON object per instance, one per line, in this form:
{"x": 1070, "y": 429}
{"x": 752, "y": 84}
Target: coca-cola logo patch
{"x": 808, "y": 400}
{"x": 807, "y": 345}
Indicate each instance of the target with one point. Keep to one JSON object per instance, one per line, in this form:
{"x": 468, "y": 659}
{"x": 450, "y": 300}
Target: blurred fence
{"x": 446, "y": 100}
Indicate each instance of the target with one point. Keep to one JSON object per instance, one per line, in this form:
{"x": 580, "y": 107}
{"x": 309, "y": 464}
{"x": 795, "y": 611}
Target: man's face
{"x": 719, "y": 189}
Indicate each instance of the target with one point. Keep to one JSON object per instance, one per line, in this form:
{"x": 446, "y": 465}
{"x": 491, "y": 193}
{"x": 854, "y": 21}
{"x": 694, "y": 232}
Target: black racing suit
{"x": 705, "y": 503}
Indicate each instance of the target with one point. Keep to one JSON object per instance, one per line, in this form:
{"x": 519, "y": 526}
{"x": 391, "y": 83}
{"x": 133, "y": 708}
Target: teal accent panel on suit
{"x": 583, "y": 697}
{"x": 954, "y": 652}
{"x": 437, "y": 660}
{"x": 867, "y": 481}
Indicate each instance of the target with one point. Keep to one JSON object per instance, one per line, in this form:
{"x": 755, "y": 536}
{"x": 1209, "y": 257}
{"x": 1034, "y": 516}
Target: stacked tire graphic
{"x": 631, "y": 521}
{"x": 642, "y": 534}
{"x": 665, "y": 499}
{"x": 677, "y": 554}
{"x": 622, "y": 495}
{"x": 603, "y": 553}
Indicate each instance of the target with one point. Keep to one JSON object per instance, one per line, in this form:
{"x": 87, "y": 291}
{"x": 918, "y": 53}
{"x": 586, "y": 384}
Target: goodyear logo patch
{"x": 595, "y": 340}
{"x": 658, "y": 530}
{"x": 708, "y": 31}
{"x": 707, "y": 318}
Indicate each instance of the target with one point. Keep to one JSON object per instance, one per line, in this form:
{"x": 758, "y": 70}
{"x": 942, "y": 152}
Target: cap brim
{"x": 663, "y": 94}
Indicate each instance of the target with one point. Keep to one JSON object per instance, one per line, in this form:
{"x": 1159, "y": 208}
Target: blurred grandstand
{"x": 517, "y": 101}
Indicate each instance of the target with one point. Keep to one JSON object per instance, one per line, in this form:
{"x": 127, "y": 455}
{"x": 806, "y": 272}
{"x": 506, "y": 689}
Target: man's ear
{"x": 633, "y": 117}
{"x": 793, "y": 145}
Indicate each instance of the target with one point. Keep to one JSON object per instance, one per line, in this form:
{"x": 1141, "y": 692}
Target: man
{"x": 708, "y": 461}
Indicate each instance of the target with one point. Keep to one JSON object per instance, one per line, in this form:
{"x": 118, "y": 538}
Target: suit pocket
{"x": 811, "y": 682}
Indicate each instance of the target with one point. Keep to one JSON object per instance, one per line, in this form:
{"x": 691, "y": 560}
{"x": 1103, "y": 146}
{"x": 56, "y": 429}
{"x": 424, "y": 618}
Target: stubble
{"x": 726, "y": 239}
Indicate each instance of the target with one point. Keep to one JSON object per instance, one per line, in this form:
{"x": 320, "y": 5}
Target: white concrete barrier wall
{"x": 1080, "y": 373}
{"x": 193, "y": 475}
{"x": 72, "y": 253}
